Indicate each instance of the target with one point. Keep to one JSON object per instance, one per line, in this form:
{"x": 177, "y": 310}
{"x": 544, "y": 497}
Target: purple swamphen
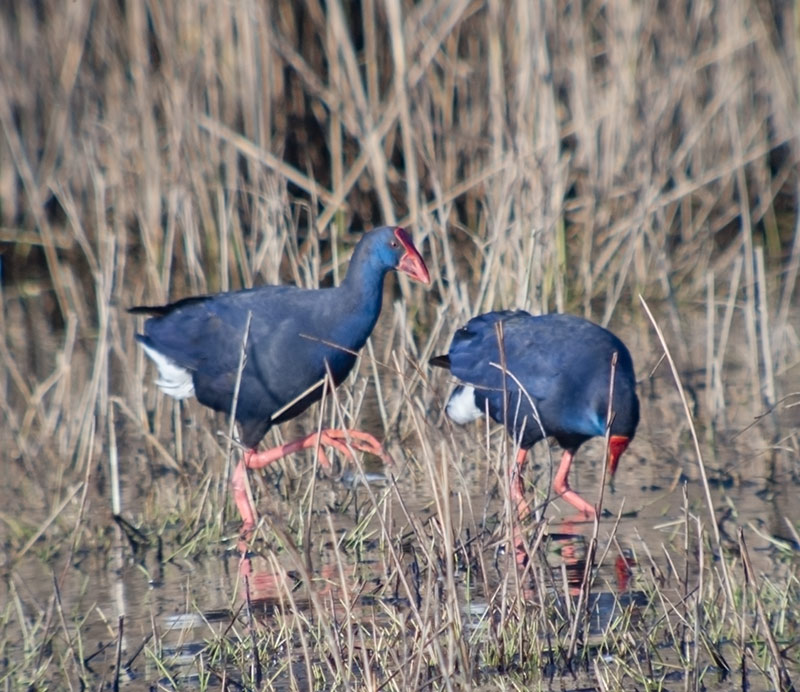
{"x": 296, "y": 336}
{"x": 557, "y": 385}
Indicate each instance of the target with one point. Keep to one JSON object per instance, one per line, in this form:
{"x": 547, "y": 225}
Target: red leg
{"x": 241, "y": 496}
{"x": 517, "y": 493}
{"x": 562, "y": 489}
{"x": 523, "y": 510}
{"x": 342, "y": 440}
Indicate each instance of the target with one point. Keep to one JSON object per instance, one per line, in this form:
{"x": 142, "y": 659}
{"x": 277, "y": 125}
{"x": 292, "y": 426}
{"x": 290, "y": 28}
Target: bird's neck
{"x": 362, "y": 293}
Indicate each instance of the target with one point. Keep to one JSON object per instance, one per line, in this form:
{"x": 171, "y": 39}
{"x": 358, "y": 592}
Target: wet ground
{"x": 176, "y": 604}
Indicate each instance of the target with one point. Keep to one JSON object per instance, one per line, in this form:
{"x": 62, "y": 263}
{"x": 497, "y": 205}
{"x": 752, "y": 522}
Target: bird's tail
{"x": 441, "y": 361}
{"x": 147, "y": 310}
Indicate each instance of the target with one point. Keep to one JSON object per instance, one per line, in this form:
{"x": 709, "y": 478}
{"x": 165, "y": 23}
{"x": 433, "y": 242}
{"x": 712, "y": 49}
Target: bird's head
{"x": 394, "y": 249}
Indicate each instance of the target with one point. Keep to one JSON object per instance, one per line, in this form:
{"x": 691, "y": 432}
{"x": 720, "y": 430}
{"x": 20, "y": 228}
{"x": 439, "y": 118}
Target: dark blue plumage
{"x": 294, "y": 332}
{"x": 295, "y": 335}
{"x": 563, "y": 363}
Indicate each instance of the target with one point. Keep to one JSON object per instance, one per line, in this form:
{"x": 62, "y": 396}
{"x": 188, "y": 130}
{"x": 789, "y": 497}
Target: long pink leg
{"x": 338, "y": 439}
{"x": 517, "y": 493}
{"x": 523, "y": 508}
{"x": 562, "y": 489}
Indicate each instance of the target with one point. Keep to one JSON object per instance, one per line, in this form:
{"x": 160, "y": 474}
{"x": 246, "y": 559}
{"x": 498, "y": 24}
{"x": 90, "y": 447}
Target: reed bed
{"x": 633, "y": 162}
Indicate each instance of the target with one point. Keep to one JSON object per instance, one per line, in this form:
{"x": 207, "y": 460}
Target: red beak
{"x": 411, "y": 263}
{"x": 616, "y": 446}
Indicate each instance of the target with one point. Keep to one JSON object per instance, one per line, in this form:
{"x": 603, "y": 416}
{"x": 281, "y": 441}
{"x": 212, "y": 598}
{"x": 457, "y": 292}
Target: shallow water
{"x": 188, "y": 601}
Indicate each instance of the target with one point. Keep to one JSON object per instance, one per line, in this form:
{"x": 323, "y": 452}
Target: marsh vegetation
{"x": 635, "y": 163}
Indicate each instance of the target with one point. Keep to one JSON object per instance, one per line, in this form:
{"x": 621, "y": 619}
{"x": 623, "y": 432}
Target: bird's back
{"x": 558, "y": 366}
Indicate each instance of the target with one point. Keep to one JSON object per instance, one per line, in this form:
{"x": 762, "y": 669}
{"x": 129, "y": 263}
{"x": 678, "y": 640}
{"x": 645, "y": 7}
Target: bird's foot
{"x": 345, "y": 440}
{"x": 587, "y": 511}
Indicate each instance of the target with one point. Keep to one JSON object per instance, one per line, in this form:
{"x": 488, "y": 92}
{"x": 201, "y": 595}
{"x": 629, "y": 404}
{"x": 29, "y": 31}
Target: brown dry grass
{"x": 550, "y": 156}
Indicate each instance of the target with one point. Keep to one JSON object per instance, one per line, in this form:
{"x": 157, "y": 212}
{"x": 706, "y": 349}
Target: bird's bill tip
{"x": 617, "y": 444}
{"x": 411, "y": 262}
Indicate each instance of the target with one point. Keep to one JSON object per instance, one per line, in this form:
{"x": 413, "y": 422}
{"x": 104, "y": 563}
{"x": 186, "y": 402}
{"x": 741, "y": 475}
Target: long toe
{"x": 360, "y": 440}
{"x": 328, "y": 439}
{"x": 372, "y": 446}
{"x": 324, "y": 461}
{"x": 579, "y": 503}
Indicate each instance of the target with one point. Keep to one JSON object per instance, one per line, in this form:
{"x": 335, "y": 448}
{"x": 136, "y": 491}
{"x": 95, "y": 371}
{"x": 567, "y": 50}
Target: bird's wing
{"x": 206, "y": 332}
{"x": 475, "y": 355}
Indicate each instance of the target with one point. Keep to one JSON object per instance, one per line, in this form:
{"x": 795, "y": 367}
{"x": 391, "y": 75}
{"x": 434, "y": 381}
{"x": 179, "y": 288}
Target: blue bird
{"x": 296, "y": 337}
{"x": 557, "y": 385}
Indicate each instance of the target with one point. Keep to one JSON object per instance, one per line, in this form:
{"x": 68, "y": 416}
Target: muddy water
{"x": 172, "y": 607}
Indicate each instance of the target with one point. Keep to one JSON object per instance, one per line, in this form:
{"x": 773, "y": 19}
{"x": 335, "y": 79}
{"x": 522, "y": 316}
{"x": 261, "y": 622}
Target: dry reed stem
{"x": 780, "y": 676}
{"x": 699, "y": 454}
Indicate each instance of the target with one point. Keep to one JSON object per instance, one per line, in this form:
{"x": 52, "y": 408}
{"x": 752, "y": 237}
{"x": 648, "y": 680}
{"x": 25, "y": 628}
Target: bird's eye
{"x": 394, "y": 243}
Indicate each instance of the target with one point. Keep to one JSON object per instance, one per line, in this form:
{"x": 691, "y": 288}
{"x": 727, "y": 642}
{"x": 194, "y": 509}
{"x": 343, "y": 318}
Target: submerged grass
{"x": 547, "y": 157}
